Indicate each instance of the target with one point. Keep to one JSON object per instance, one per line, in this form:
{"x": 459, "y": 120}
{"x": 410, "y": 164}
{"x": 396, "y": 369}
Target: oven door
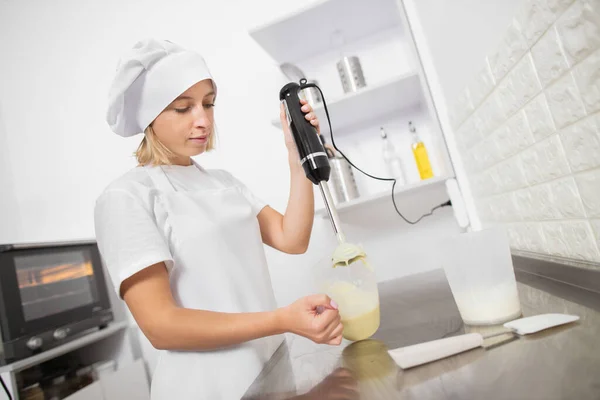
{"x": 44, "y": 288}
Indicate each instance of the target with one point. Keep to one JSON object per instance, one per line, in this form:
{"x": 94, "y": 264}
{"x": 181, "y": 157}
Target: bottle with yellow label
{"x": 420, "y": 154}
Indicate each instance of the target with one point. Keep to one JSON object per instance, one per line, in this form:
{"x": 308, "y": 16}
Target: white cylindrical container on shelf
{"x": 348, "y": 66}
{"x": 351, "y": 74}
{"x": 342, "y": 180}
{"x": 312, "y": 95}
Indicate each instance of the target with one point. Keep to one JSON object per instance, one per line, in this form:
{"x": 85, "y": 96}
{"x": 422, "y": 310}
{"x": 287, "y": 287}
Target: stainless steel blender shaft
{"x": 333, "y": 216}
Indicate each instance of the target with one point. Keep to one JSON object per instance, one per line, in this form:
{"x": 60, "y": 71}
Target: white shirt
{"x": 131, "y": 226}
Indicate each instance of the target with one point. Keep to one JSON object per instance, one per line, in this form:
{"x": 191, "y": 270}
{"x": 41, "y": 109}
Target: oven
{"x": 49, "y": 294}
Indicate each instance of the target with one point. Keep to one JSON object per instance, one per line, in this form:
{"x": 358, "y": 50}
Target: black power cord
{"x": 303, "y": 84}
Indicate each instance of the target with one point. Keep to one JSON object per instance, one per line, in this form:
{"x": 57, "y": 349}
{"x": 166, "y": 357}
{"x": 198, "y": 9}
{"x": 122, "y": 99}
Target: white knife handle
{"x": 411, "y": 356}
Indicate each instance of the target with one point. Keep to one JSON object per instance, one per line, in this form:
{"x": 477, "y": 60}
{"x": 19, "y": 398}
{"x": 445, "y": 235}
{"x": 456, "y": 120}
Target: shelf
{"x": 369, "y": 103}
{"x": 427, "y": 186}
{"x": 75, "y": 344}
{"x": 307, "y": 32}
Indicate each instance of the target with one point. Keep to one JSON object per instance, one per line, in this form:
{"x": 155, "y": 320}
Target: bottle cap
{"x": 383, "y": 134}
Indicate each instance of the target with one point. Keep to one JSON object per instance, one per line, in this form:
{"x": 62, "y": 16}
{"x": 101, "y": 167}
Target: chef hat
{"x": 148, "y": 78}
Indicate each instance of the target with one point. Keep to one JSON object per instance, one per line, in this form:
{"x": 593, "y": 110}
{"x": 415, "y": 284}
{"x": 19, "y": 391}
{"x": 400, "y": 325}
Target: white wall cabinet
{"x": 396, "y": 91}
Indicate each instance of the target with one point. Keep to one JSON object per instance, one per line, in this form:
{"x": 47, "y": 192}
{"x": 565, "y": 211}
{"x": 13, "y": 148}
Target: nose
{"x": 201, "y": 117}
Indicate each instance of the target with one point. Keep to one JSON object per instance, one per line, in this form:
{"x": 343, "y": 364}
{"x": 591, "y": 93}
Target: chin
{"x": 196, "y": 152}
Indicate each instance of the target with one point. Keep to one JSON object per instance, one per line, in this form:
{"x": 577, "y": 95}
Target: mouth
{"x": 199, "y": 139}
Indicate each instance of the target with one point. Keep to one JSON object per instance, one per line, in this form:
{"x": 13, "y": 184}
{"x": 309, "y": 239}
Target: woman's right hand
{"x": 315, "y": 317}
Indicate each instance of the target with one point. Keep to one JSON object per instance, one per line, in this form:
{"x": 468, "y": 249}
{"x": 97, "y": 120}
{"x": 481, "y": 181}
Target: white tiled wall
{"x": 528, "y": 127}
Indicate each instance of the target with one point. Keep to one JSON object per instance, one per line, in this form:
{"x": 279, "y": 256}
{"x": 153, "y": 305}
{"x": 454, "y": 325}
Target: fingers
{"x": 327, "y": 318}
{"x": 336, "y": 335}
{"x": 282, "y": 115}
{"x": 332, "y": 334}
{"x": 312, "y": 118}
{"x": 328, "y": 325}
{"x": 308, "y": 114}
{"x": 344, "y": 379}
{"x": 337, "y": 330}
{"x": 316, "y": 300}
{"x": 308, "y": 111}
{"x": 336, "y": 341}
{"x": 342, "y": 373}
{"x": 334, "y": 322}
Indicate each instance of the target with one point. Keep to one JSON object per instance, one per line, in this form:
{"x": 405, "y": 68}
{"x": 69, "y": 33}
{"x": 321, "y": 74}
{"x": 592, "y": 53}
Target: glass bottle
{"x": 392, "y": 160}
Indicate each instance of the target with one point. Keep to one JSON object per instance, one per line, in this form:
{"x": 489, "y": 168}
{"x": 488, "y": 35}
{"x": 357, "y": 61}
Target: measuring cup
{"x": 354, "y": 288}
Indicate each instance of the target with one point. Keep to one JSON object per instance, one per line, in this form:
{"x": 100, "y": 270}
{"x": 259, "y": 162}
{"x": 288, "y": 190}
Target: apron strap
{"x": 162, "y": 182}
{"x": 217, "y": 182}
{"x": 159, "y": 178}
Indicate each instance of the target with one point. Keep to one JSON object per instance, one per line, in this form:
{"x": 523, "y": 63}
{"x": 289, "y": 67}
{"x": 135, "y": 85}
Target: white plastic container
{"x": 479, "y": 269}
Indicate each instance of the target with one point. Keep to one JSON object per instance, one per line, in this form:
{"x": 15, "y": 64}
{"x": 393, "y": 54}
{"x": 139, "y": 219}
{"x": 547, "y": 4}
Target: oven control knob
{"x": 61, "y": 333}
{"x": 34, "y": 343}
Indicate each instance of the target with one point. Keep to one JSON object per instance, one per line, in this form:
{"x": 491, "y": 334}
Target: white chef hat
{"x": 148, "y": 78}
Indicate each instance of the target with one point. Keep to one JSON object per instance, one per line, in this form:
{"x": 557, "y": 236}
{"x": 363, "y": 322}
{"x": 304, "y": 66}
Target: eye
{"x": 209, "y": 105}
{"x": 182, "y": 110}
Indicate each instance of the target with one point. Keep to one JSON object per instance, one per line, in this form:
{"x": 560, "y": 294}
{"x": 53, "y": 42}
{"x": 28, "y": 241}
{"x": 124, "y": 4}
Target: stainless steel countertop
{"x": 560, "y": 363}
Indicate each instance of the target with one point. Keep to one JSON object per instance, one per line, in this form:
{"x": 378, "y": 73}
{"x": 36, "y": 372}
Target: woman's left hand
{"x": 309, "y": 114}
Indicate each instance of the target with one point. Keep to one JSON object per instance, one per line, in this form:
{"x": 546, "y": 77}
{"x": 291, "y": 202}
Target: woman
{"x": 184, "y": 245}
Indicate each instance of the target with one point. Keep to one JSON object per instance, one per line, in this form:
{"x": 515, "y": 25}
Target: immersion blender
{"x": 315, "y": 163}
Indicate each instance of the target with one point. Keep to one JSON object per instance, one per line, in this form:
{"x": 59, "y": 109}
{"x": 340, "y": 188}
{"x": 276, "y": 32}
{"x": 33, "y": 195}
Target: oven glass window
{"x": 53, "y": 283}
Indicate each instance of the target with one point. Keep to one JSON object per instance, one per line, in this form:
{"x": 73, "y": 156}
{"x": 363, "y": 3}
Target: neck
{"x": 181, "y": 160}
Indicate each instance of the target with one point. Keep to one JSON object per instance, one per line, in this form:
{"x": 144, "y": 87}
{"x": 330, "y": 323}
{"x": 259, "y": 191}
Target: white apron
{"x": 219, "y": 265}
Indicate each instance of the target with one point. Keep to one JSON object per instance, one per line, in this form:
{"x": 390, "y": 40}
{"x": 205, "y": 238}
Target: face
{"x": 186, "y": 124}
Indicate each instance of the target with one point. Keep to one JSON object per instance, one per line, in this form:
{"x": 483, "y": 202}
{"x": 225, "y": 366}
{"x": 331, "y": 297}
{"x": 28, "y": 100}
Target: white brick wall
{"x": 528, "y": 128}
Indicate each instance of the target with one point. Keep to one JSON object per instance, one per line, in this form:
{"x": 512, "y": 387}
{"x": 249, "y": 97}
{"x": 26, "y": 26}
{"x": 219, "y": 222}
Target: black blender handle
{"x": 305, "y": 135}
{"x": 312, "y": 154}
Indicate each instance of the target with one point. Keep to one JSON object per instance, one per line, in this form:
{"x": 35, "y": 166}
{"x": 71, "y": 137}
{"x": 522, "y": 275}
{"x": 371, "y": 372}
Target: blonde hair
{"x": 152, "y": 151}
